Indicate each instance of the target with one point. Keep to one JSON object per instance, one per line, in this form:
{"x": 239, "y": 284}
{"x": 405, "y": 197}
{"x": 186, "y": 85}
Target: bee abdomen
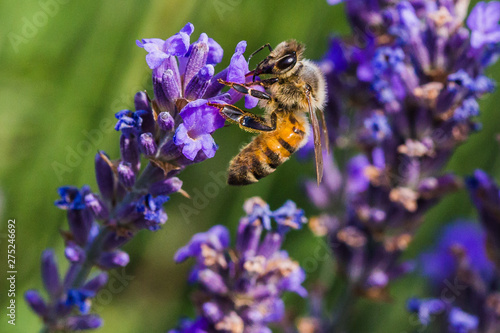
{"x": 256, "y": 161}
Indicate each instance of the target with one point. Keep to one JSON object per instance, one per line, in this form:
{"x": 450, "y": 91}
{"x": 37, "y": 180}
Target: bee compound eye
{"x": 286, "y": 62}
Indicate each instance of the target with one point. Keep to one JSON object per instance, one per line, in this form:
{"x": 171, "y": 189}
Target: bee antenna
{"x": 258, "y": 50}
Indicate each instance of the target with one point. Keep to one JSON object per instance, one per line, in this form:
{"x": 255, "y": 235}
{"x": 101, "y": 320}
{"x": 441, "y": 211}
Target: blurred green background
{"x": 68, "y": 66}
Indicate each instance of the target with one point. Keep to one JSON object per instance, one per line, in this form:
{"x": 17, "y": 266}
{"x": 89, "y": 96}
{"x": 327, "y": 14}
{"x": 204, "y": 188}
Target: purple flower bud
{"x": 74, "y": 253}
{"x": 147, "y": 144}
{"x": 198, "y": 85}
{"x": 333, "y": 2}
{"x": 293, "y": 276}
{"x": 212, "y": 281}
{"x": 144, "y": 110}
{"x": 197, "y": 58}
{"x": 171, "y": 87}
{"x": 357, "y": 181}
{"x": 125, "y": 174}
{"x": 166, "y": 186}
{"x": 248, "y": 237}
{"x": 97, "y": 282}
{"x": 36, "y": 302}
{"x": 50, "y": 274}
{"x": 212, "y": 312}
{"x": 377, "y": 128}
{"x": 86, "y": 322}
{"x": 425, "y": 308}
{"x": 80, "y": 222}
{"x": 165, "y": 121}
{"x": 104, "y": 176}
{"x": 461, "y": 321}
{"x": 440, "y": 264}
{"x": 141, "y": 101}
{"x": 378, "y": 279}
{"x": 129, "y": 149}
{"x": 468, "y": 109}
{"x": 271, "y": 243}
{"x": 110, "y": 260}
{"x": 97, "y": 206}
{"x": 162, "y": 102}
{"x": 412, "y": 26}
{"x": 484, "y": 85}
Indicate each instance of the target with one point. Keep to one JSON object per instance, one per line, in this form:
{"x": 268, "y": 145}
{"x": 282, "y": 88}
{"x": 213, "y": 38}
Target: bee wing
{"x": 318, "y": 152}
{"x": 326, "y": 147}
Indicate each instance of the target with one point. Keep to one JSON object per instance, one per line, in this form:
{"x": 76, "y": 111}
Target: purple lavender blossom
{"x": 455, "y": 320}
{"x": 199, "y": 121}
{"x": 462, "y": 322}
{"x": 66, "y": 308}
{"x": 464, "y": 279}
{"x": 483, "y": 22}
{"x": 241, "y": 288}
{"x": 172, "y": 130}
{"x": 184, "y": 81}
{"x": 466, "y": 237}
{"x": 485, "y": 195}
{"x": 425, "y": 308}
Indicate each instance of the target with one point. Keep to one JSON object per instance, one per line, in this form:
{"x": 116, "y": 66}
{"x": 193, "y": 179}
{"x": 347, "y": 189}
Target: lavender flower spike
{"x": 242, "y": 292}
{"x": 460, "y": 257}
{"x": 172, "y": 130}
{"x": 403, "y": 92}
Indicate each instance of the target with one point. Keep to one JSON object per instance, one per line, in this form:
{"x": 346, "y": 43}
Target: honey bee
{"x": 293, "y": 87}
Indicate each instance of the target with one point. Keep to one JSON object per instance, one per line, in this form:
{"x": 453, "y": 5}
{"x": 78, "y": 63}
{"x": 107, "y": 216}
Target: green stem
{"x": 91, "y": 255}
{"x": 144, "y": 179}
{"x": 343, "y": 309}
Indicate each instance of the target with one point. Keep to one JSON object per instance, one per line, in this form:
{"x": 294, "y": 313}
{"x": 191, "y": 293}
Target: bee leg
{"x": 244, "y": 89}
{"x": 246, "y": 120}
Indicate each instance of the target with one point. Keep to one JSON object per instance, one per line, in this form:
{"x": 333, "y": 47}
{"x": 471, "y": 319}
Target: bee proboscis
{"x": 293, "y": 87}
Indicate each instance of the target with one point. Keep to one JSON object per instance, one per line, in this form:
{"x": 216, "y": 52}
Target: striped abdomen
{"x": 268, "y": 150}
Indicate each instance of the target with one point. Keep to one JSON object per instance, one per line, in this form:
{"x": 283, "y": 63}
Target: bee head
{"x": 281, "y": 60}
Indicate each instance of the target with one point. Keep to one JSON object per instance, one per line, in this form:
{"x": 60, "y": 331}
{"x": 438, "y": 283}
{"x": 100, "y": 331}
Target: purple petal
{"x": 215, "y": 52}
{"x": 197, "y": 59}
{"x": 36, "y": 302}
{"x": 238, "y": 66}
{"x": 188, "y": 29}
{"x": 50, "y": 274}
